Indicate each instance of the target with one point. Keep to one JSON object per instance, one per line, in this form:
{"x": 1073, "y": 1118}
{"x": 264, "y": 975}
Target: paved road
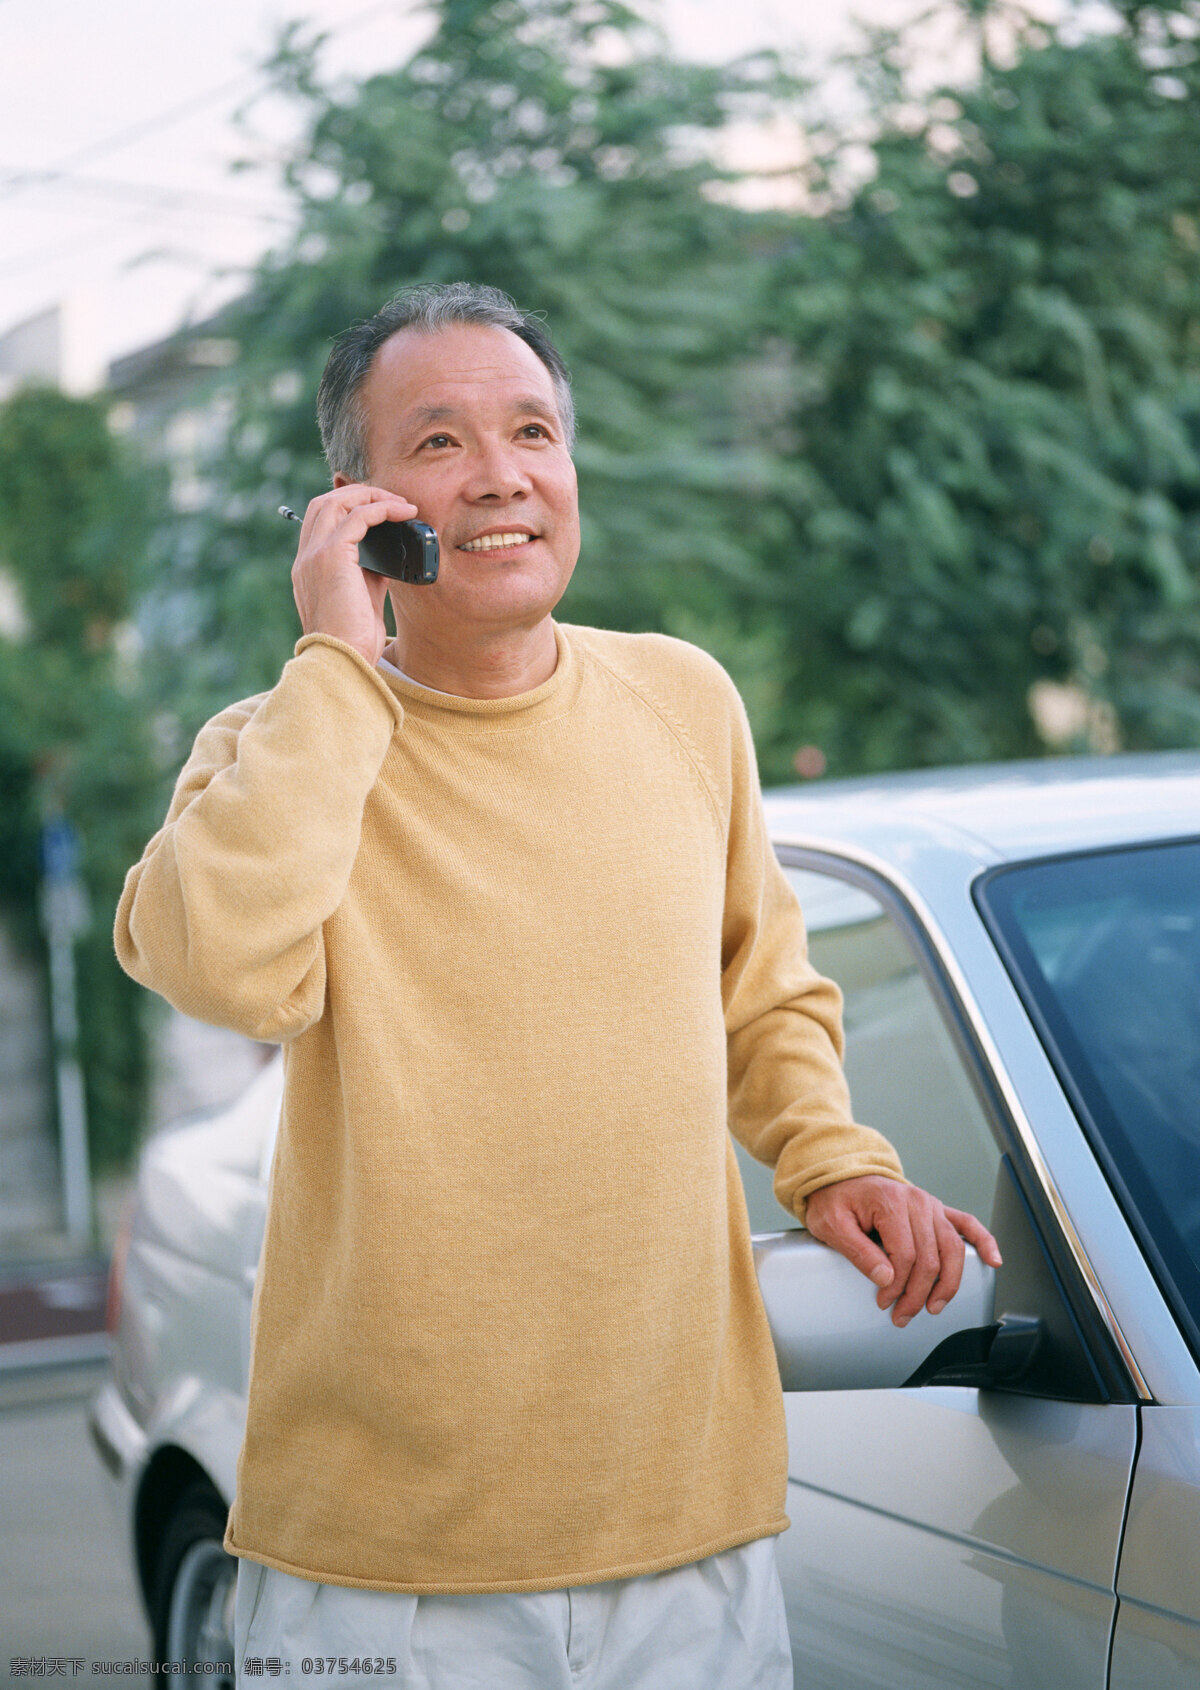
{"x": 66, "y": 1587}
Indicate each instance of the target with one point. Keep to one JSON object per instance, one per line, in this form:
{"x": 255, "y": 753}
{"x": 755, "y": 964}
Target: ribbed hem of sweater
{"x": 450, "y": 1587}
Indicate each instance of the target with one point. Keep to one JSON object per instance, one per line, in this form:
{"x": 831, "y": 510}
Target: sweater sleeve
{"x": 224, "y": 913}
{"x": 788, "y": 1099}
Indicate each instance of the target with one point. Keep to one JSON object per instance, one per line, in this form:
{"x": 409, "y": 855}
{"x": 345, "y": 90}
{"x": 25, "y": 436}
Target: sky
{"x": 117, "y": 137}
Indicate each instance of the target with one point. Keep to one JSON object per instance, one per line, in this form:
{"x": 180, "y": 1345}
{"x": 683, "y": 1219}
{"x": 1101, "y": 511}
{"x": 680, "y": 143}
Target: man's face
{"x": 464, "y": 423}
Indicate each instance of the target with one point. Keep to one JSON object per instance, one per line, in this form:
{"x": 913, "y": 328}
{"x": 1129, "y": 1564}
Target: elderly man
{"x": 502, "y": 889}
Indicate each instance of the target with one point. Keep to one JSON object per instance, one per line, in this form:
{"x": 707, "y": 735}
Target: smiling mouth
{"x": 497, "y": 542}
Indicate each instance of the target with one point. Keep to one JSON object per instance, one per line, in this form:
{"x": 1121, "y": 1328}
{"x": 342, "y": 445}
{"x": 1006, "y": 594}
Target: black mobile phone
{"x": 404, "y": 551}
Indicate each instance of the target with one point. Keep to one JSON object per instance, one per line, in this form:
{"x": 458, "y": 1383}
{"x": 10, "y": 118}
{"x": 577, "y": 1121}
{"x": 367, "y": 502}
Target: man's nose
{"x": 497, "y": 473}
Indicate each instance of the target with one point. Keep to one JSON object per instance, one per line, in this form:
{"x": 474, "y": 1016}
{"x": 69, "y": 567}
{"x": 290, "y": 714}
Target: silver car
{"x": 1007, "y": 1494}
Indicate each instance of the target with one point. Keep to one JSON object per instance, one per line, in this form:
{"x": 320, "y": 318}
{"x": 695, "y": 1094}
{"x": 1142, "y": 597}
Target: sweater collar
{"x": 451, "y": 710}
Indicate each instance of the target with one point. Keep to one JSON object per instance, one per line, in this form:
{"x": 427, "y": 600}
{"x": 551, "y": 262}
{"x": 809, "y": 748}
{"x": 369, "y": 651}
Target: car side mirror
{"x": 995, "y": 1355}
{"x": 830, "y": 1335}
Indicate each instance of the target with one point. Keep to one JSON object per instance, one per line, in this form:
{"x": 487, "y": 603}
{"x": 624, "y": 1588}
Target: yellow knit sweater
{"x": 528, "y": 958}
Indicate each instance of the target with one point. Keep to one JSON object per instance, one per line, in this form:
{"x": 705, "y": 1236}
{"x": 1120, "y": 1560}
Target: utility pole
{"x": 64, "y": 912}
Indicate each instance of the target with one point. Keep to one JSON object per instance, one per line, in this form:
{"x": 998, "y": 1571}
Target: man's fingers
{"x": 329, "y": 512}
{"x": 382, "y": 506}
{"x": 326, "y": 511}
{"x": 843, "y": 1233}
{"x": 368, "y": 513}
{"x": 953, "y": 1255}
{"x": 919, "y": 1260}
{"x": 976, "y": 1233}
{"x": 895, "y": 1229}
{"x": 371, "y": 515}
{"x": 923, "y": 1271}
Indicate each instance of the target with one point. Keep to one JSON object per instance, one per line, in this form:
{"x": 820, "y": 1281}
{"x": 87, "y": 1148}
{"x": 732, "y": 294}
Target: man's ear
{"x": 340, "y": 480}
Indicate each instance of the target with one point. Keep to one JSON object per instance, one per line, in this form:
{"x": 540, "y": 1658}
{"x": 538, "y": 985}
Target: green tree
{"x": 995, "y": 397}
{"x": 894, "y": 458}
{"x": 75, "y": 517}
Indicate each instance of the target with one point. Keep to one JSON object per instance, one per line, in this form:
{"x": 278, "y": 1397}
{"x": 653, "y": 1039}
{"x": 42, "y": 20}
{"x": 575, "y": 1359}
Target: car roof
{"x": 999, "y": 812}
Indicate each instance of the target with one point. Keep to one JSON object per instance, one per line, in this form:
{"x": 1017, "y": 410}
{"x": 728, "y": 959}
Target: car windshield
{"x": 1105, "y": 949}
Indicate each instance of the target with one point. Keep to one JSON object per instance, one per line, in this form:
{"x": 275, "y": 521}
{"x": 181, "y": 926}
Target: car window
{"x": 1105, "y": 949}
{"x": 905, "y": 1074}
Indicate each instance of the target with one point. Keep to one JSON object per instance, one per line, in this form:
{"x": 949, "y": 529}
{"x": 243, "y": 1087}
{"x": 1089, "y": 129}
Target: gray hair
{"x": 341, "y": 413}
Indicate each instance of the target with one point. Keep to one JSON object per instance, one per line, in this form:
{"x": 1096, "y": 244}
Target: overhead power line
{"x": 146, "y": 194}
{"x": 133, "y": 132}
{"x": 21, "y": 180}
{"x": 64, "y": 249}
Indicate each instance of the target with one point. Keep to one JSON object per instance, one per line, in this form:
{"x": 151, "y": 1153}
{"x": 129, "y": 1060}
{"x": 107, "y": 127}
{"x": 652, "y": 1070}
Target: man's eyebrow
{"x": 528, "y": 404}
{"x": 531, "y": 404}
{"x": 430, "y": 414}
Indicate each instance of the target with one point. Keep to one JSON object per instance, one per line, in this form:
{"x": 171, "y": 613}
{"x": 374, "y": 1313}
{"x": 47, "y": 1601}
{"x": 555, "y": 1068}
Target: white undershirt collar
{"x": 392, "y": 669}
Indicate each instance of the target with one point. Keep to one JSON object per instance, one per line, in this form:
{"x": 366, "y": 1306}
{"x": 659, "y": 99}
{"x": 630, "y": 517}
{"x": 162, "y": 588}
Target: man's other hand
{"x": 920, "y": 1263}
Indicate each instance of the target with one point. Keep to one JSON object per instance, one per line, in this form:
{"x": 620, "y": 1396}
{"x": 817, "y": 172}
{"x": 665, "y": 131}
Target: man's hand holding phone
{"x": 334, "y": 594}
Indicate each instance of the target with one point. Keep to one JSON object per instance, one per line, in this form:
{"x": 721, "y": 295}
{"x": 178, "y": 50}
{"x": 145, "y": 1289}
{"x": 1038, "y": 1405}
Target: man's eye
{"x": 437, "y": 440}
{"x": 535, "y": 429}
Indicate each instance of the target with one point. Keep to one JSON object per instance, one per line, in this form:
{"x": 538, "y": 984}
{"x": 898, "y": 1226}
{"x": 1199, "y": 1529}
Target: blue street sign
{"x": 60, "y": 850}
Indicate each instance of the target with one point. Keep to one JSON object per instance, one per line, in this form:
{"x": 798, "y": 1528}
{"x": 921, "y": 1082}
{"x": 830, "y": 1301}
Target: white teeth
{"x": 491, "y": 542}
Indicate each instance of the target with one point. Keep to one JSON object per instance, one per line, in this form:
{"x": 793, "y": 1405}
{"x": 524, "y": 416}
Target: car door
{"x": 948, "y": 1535}
{"x": 1105, "y": 948}
{"x": 1158, "y": 1627}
